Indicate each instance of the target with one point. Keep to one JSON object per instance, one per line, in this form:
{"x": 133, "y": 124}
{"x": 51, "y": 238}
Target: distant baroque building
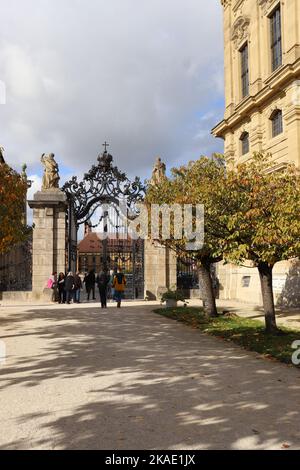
{"x": 262, "y": 112}
{"x": 115, "y": 251}
{"x": 91, "y": 252}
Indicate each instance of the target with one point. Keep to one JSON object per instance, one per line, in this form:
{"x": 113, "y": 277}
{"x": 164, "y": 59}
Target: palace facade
{"x": 262, "y": 79}
{"x": 262, "y": 113}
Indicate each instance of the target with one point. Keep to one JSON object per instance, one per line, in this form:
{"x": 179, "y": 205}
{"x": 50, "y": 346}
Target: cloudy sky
{"x": 146, "y": 75}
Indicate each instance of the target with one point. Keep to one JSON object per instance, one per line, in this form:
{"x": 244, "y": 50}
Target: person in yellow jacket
{"x": 119, "y": 284}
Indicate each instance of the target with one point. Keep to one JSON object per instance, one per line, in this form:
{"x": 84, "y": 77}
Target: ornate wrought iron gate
{"x": 107, "y": 198}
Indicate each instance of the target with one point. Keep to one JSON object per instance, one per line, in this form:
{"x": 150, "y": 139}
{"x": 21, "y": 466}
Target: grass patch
{"x": 248, "y": 333}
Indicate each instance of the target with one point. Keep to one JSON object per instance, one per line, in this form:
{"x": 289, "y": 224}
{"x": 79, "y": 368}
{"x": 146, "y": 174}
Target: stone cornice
{"x": 273, "y": 84}
{"x": 225, "y": 3}
{"x": 265, "y": 4}
{"x": 238, "y": 4}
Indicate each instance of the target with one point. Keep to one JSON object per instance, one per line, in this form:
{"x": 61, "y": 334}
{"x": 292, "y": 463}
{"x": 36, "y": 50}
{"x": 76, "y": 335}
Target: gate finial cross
{"x": 105, "y": 145}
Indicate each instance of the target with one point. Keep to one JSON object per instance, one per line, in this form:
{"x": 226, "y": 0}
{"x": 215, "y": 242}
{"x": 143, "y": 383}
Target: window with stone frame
{"x": 245, "y": 144}
{"x": 245, "y": 70}
{"x": 276, "y": 38}
{"x": 277, "y": 123}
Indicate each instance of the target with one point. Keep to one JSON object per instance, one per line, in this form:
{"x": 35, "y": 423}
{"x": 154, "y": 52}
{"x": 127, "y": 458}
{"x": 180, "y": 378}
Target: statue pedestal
{"x": 49, "y": 236}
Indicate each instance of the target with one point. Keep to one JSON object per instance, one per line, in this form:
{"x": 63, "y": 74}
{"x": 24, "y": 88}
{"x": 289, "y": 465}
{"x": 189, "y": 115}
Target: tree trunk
{"x": 209, "y": 300}
{"x": 266, "y": 280}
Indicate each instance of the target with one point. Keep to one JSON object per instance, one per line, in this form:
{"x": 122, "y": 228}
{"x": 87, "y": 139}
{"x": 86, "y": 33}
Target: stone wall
{"x": 26, "y": 297}
{"x": 243, "y": 284}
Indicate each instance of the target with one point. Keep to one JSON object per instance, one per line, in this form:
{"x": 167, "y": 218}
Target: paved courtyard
{"x": 80, "y": 378}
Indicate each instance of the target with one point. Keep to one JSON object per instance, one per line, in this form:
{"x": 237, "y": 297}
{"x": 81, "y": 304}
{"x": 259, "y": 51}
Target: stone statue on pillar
{"x": 50, "y": 208}
{"x": 158, "y": 173}
{"x": 51, "y": 172}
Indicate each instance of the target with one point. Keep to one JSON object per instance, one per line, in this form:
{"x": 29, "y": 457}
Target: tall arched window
{"x": 245, "y": 70}
{"x": 245, "y": 146}
{"x": 277, "y": 124}
{"x": 276, "y": 38}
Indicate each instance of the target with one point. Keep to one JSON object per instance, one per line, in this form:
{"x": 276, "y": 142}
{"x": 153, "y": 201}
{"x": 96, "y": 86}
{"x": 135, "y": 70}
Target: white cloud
{"x": 36, "y": 184}
{"x": 21, "y": 74}
{"x": 134, "y": 72}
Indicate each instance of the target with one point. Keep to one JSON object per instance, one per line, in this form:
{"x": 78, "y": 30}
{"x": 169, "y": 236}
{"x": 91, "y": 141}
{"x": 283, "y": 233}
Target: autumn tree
{"x": 12, "y": 195}
{"x": 200, "y": 182}
{"x": 263, "y": 221}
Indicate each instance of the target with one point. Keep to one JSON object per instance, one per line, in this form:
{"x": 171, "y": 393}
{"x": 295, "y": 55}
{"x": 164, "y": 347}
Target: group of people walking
{"x": 67, "y": 288}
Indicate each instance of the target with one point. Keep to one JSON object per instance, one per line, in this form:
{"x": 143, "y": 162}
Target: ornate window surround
{"x": 244, "y": 142}
{"x": 268, "y": 5}
{"x": 274, "y": 131}
{"x": 273, "y": 110}
{"x": 240, "y": 31}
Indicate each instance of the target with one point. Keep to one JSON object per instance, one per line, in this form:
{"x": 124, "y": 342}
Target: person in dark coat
{"x": 102, "y": 282}
{"x": 90, "y": 281}
{"x": 69, "y": 286}
{"x": 77, "y": 288}
{"x": 61, "y": 288}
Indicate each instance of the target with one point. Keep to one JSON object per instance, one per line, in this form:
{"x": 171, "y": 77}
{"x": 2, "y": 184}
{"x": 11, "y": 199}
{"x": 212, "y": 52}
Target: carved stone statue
{"x": 159, "y": 172}
{"x": 2, "y": 161}
{"x": 51, "y": 172}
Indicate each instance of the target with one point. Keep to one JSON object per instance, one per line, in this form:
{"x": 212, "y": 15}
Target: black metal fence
{"x": 187, "y": 273}
{"x": 16, "y": 268}
{"x": 188, "y": 277}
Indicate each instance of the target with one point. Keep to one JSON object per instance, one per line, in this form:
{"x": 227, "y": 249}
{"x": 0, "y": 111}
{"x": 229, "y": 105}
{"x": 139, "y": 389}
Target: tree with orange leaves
{"x": 12, "y": 195}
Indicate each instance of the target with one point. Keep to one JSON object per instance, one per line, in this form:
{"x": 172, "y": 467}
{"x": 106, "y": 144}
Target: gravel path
{"x": 78, "y": 378}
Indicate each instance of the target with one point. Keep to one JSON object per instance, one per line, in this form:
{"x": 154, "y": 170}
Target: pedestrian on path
{"x": 111, "y": 290}
{"x": 52, "y": 284}
{"x": 90, "y": 281}
{"x": 77, "y": 288}
{"x": 102, "y": 282}
{"x": 61, "y": 288}
{"x": 70, "y": 283}
{"x": 119, "y": 285}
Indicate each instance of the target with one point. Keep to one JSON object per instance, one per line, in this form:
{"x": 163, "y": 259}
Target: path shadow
{"x": 150, "y": 383}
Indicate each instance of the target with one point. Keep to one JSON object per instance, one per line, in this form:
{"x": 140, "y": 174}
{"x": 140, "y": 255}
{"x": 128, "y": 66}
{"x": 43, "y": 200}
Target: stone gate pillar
{"x": 160, "y": 269}
{"x": 49, "y": 236}
{"x": 160, "y": 262}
